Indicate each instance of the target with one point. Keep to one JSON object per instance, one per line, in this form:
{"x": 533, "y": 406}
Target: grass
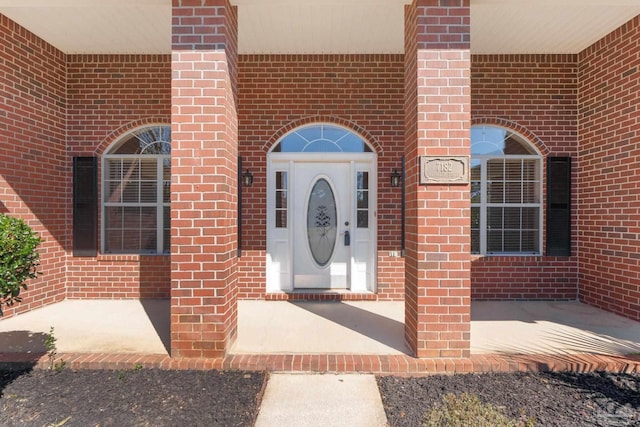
{"x": 466, "y": 410}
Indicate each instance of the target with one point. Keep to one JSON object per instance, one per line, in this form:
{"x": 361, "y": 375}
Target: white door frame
{"x": 280, "y": 240}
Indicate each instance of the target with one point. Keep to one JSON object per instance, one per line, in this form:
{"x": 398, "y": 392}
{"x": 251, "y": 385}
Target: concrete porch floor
{"x": 357, "y": 327}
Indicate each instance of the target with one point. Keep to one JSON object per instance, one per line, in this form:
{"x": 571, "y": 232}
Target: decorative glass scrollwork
{"x": 322, "y": 222}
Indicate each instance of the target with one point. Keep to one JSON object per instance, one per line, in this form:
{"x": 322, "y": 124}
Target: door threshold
{"x": 321, "y": 295}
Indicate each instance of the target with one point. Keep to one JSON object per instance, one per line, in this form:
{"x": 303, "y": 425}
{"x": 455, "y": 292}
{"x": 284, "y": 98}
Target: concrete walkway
{"x": 328, "y": 337}
{"x": 91, "y": 326}
{"x": 547, "y": 327}
{"x": 358, "y": 327}
{"x": 367, "y": 327}
{"x": 354, "y": 327}
{"x": 297, "y": 400}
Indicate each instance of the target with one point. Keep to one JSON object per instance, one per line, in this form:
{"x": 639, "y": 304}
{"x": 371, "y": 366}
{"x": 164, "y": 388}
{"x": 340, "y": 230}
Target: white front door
{"x": 321, "y": 226}
{"x": 321, "y": 231}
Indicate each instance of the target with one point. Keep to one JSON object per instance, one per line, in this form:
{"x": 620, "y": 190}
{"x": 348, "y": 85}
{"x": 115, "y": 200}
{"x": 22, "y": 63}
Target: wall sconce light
{"x": 247, "y": 178}
{"x": 396, "y": 178}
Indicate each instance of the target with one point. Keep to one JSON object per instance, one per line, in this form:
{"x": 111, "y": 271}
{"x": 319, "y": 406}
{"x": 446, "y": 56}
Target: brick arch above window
{"x": 118, "y": 133}
{"x": 516, "y": 128}
{"x": 332, "y": 120}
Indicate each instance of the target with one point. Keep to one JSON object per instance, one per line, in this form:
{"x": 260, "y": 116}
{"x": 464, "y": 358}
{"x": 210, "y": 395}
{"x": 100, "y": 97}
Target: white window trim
{"x": 159, "y": 203}
{"x": 280, "y": 279}
{"x": 484, "y": 204}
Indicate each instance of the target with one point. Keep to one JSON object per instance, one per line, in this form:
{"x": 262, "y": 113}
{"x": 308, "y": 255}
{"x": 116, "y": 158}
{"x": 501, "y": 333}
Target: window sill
{"x": 126, "y": 257}
{"x": 503, "y": 256}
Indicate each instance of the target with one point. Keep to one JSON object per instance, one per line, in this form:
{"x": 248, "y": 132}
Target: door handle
{"x": 347, "y": 238}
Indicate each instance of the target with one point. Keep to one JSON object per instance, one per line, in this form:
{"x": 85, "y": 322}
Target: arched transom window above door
{"x": 321, "y": 138}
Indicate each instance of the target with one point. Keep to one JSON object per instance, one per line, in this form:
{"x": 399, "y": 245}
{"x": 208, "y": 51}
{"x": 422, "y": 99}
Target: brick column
{"x": 437, "y": 108}
{"x": 204, "y": 178}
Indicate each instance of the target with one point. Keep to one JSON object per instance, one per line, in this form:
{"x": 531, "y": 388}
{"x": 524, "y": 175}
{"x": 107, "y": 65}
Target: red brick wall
{"x": 34, "y": 172}
{"x": 364, "y": 92}
{"x": 609, "y": 172}
{"x": 109, "y": 95}
{"x": 437, "y": 282}
{"x": 409, "y": 145}
{"x": 119, "y": 277}
{"x": 536, "y": 96}
{"x": 204, "y": 178}
{"x": 554, "y": 100}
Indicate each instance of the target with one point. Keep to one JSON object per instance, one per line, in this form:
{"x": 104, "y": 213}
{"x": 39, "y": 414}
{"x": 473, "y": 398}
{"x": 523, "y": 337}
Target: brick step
{"x": 377, "y": 364}
{"x": 321, "y": 295}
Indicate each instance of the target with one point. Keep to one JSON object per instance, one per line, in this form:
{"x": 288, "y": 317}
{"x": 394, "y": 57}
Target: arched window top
{"x": 149, "y": 140}
{"x": 136, "y": 192}
{"x": 506, "y": 193}
{"x": 496, "y": 141}
{"x": 321, "y": 138}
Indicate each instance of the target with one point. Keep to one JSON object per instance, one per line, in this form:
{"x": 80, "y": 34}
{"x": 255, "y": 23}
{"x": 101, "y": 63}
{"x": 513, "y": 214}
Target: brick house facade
{"x": 222, "y": 105}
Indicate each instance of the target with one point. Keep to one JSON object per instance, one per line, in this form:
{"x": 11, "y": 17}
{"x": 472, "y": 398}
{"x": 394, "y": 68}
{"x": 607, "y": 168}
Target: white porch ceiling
{"x": 321, "y": 26}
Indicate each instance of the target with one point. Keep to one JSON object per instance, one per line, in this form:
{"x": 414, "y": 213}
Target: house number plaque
{"x": 444, "y": 170}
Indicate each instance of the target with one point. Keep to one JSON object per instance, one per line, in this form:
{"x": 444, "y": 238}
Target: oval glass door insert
{"x": 322, "y": 231}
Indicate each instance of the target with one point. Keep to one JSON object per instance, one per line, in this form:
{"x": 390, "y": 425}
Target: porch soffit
{"x": 321, "y": 26}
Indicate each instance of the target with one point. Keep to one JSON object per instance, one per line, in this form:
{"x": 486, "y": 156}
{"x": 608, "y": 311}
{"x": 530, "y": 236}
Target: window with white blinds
{"x": 136, "y": 193}
{"x": 506, "y": 193}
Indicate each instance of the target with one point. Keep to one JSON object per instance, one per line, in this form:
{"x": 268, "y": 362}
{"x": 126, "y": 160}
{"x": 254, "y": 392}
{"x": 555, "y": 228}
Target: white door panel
{"x": 306, "y": 234}
{"x": 321, "y": 208}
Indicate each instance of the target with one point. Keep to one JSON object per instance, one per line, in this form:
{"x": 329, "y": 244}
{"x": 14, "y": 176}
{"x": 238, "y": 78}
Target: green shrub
{"x": 466, "y": 410}
{"x": 19, "y": 259}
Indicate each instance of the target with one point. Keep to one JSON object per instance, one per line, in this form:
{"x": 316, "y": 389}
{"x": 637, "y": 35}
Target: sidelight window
{"x": 362, "y": 203}
{"x": 281, "y": 199}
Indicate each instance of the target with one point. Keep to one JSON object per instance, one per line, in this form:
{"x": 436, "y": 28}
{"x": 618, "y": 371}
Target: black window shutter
{"x": 85, "y": 206}
{"x": 559, "y": 206}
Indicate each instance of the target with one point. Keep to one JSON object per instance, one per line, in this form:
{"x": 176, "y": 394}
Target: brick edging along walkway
{"x": 376, "y": 364}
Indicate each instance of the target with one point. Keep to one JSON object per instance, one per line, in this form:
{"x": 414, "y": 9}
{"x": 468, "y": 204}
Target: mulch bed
{"x": 143, "y": 397}
{"x": 552, "y": 399}
{"x": 149, "y": 397}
